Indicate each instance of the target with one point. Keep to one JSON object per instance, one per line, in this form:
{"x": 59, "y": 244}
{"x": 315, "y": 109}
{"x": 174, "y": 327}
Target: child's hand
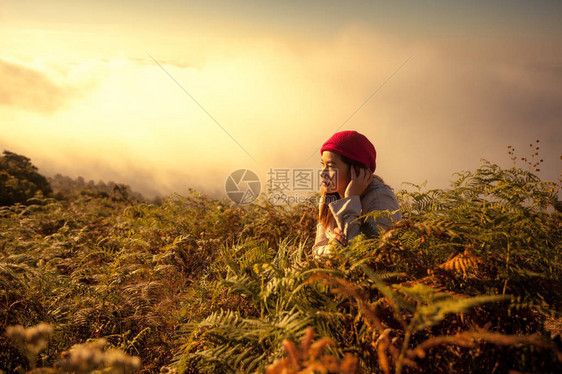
{"x": 339, "y": 236}
{"x": 359, "y": 182}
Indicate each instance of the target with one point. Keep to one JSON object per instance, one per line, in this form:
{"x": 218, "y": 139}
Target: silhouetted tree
{"x": 19, "y": 179}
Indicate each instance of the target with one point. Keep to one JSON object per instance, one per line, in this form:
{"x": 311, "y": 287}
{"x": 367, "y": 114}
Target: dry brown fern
{"x": 465, "y": 263}
{"x": 311, "y": 358}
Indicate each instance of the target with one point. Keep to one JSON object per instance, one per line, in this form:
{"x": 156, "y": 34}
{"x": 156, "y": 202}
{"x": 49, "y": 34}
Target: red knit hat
{"x": 354, "y": 146}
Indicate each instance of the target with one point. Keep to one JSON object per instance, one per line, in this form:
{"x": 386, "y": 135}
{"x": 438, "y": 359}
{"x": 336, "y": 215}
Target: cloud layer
{"x": 125, "y": 119}
{"x": 29, "y": 89}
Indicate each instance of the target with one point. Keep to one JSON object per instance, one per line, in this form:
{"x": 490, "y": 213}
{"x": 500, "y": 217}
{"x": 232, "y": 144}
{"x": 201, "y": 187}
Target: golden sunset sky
{"x": 449, "y": 83}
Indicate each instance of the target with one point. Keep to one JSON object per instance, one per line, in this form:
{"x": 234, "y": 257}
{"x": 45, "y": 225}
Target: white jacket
{"x": 376, "y": 197}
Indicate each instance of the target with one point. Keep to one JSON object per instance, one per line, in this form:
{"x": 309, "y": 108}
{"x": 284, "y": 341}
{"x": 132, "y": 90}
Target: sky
{"x": 170, "y": 95}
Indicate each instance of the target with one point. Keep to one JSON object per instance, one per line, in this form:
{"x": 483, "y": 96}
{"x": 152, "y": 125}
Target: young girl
{"x": 350, "y": 190}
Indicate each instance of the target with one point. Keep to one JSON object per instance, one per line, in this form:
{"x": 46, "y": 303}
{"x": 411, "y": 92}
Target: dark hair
{"x": 325, "y": 216}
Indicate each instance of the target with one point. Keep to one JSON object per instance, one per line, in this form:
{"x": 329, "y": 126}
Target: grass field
{"x": 470, "y": 281}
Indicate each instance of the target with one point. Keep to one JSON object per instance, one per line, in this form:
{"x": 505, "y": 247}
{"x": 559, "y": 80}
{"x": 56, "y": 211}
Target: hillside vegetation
{"x": 468, "y": 282}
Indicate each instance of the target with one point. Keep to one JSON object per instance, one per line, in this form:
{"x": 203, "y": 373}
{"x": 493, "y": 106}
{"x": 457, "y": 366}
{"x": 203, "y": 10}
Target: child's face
{"x": 335, "y": 173}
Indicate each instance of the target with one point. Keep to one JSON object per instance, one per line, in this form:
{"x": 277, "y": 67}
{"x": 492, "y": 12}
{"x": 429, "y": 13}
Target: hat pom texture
{"x": 354, "y": 146}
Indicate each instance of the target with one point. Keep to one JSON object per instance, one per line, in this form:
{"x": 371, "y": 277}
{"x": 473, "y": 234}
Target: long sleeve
{"x": 381, "y": 198}
{"x": 322, "y": 243}
{"x": 346, "y": 211}
{"x": 377, "y": 197}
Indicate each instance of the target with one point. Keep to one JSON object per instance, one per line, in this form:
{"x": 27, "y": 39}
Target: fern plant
{"x": 456, "y": 270}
